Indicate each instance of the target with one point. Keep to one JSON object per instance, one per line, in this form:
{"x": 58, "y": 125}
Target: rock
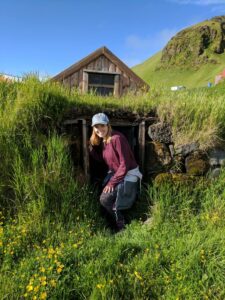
{"x": 158, "y": 157}
{"x": 197, "y": 163}
{"x": 187, "y": 148}
{"x": 160, "y": 132}
{"x": 216, "y": 157}
{"x": 215, "y": 173}
{"x": 149, "y": 221}
{"x": 172, "y": 151}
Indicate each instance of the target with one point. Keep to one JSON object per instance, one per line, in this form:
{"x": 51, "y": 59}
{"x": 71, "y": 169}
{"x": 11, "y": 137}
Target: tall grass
{"x": 54, "y": 243}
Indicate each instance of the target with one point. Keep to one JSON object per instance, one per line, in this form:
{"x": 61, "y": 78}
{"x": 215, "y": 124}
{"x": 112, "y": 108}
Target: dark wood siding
{"x": 104, "y": 63}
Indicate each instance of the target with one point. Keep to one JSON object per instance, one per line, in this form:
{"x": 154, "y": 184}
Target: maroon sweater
{"x": 117, "y": 155}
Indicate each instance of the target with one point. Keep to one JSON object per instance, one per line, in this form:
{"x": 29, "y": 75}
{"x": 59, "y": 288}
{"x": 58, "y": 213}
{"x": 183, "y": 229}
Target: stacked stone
{"x": 183, "y": 163}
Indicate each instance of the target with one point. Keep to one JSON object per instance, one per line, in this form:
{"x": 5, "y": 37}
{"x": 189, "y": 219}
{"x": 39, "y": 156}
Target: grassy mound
{"x": 53, "y": 240}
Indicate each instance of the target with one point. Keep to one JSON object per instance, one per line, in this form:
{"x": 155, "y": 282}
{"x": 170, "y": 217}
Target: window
{"x": 101, "y": 83}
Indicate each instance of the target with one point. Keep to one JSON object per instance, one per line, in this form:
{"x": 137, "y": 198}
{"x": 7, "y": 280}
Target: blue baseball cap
{"x": 100, "y": 118}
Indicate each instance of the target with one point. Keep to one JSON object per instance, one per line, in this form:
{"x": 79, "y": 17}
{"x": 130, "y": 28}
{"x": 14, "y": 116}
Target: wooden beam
{"x": 70, "y": 122}
{"x": 117, "y": 86}
{"x": 85, "y": 150}
{"x": 85, "y": 82}
{"x": 104, "y": 72}
{"x": 141, "y": 141}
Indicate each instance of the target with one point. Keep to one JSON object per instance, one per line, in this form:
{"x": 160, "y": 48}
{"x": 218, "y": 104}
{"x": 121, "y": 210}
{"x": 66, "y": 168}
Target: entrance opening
{"x": 99, "y": 170}
{"x": 80, "y": 131}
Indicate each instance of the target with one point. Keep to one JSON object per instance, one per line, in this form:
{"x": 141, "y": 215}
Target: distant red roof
{"x": 222, "y": 73}
{"x": 220, "y": 77}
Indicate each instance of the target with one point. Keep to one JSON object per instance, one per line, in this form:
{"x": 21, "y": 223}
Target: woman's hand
{"x": 108, "y": 189}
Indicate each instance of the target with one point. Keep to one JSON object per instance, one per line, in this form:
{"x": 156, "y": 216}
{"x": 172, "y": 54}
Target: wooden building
{"x": 102, "y": 72}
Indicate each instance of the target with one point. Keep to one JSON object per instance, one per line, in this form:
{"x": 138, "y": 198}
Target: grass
{"x": 189, "y": 77}
{"x": 54, "y": 242}
{"x": 181, "y": 64}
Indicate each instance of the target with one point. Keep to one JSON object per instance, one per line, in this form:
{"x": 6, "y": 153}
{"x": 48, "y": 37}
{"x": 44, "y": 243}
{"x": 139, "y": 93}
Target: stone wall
{"x": 183, "y": 162}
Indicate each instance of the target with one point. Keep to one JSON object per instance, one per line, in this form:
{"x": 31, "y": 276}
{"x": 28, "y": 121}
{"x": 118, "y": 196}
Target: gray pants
{"x": 108, "y": 200}
{"x": 121, "y": 198}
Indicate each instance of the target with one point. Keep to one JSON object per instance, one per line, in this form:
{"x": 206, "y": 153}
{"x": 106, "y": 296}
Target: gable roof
{"x": 94, "y": 55}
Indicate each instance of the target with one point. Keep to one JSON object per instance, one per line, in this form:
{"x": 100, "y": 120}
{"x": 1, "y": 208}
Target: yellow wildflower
{"x": 36, "y": 288}
{"x": 100, "y": 286}
{"x": 43, "y": 296}
{"x": 59, "y": 270}
{"x": 23, "y": 231}
{"x": 53, "y": 283}
{"x": 42, "y": 278}
{"x": 51, "y": 251}
{"x": 29, "y": 288}
{"x": 138, "y": 275}
{"x": 215, "y": 217}
{"x": 42, "y": 269}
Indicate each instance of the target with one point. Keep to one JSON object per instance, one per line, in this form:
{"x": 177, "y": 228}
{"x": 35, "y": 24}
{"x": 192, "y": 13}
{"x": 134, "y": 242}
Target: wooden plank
{"x": 80, "y": 80}
{"x": 85, "y": 82}
{"x": 95, "y": 85}
{"x": 98, "y": 64}
{"x": 117, "y": 86}
{"x": 66, "y": 81}
{"x": 112, "y": 67}
{"x": 141, "y": 141}
{"x": 90, "y": 66}
{"x": 101, "y": 72}
{"x": 121, "y": 86}
{"x": 118, "y": 70}
{"x": 71, "y": 122}
{"x": 125, "y": 80}
{"x": 105, "y": 66}
{"x": 86, "y": 165}
{"x": 133, "y": 138}
{"x": 74, "y": 80}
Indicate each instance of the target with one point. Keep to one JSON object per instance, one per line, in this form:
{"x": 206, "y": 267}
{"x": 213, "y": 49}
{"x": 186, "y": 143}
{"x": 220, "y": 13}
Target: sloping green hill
{"x": 192, "y": 58}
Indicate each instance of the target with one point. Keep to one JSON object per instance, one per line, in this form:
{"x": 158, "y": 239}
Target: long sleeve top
{"x": 117, "y": 155}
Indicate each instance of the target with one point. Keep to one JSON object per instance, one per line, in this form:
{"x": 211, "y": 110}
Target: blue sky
{"x": 47, "y": 36}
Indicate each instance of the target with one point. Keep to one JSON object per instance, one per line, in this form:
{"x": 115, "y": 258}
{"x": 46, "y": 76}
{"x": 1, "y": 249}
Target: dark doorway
{"x": 99, "y": 170}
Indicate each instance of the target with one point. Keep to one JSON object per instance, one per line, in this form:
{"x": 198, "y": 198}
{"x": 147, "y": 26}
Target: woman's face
{"x": 101, "y": 130}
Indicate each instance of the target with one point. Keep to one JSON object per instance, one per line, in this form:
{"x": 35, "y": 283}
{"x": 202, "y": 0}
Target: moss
{"x": 176, "y": 178}
{"x": 197, "y": 164}
{"x": 189, "y": 46}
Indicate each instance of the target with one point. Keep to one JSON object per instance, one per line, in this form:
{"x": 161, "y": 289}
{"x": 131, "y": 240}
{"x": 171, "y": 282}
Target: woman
{"x": 121, "y": 184}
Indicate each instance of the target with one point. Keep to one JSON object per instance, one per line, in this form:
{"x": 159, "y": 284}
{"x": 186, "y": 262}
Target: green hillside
{"x": 192, "y": 58}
